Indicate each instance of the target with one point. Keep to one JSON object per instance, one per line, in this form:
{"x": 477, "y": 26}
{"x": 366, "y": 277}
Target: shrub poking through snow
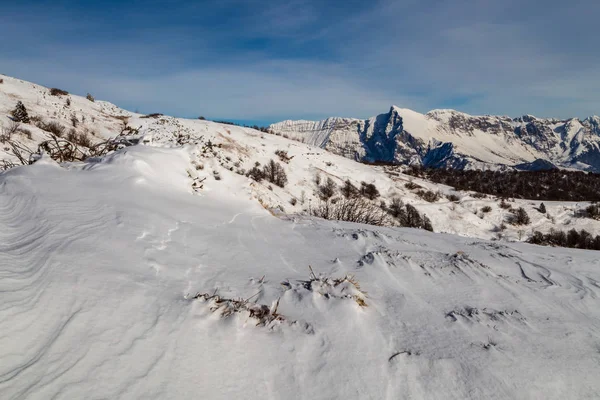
{"x": 256, "y": 174}
{"x": 428, "y": 195}
{"x": 330, "y": 288}
{"x": 519, "y": 217}
{"x": 8, "y": 131}
{"x": 19, "y": 113}
{"x": 411, "y": 185}
{"x": 327, "y": 189}
{"x": 453, "y": 197}
{"x": 351, "y": 210}
{"x": 349, "y": 190}
{"x": 486, "y": 209}
{"x": 274, "y": 173}
{"x": 52, "y": 127}
{"x": 369, "y": 190}
{"x": 283, "y": 156}
{"x": 261, "y": 314}
{"x": 90, "y": 98}
{"x": 58, "y": 92}
{"x": 408, "y": 216}
{"x": 576, "y": 239}
{"x": 504, "y": 205}
{"x": 593, "y": 211}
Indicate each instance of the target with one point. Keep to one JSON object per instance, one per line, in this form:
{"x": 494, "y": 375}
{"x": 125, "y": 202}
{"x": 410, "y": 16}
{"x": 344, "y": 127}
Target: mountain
{"x": 229, "y": 152}
{"x": 161, "y": 271}
{"x": 451, "y": 139}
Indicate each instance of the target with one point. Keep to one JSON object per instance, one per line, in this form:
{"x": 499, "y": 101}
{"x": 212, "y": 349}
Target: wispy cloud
{"x": 309, "y": 59}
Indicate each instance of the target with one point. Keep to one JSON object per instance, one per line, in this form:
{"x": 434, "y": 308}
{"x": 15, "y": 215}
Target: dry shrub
{"x": 428, "y": 195}
{"x": 58, "y": 92}
{"x": 352, "y": 210}
{"x": 53, "y": 127}
{"x": 346, "y": 287}
{"x": 411, "y": 185}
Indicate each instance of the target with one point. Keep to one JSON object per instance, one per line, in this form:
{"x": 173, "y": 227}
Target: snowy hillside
{"x": 448, "y": 138}
{"x": 227, "y": 152}
{"x": 161, "y": 270}
{"x": 109, "y": 270}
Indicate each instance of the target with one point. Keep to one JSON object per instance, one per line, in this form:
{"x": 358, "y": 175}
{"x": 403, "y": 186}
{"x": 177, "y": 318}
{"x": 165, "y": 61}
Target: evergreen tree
{"x": 20, "y": 113}
{"x": 542, "y": 208}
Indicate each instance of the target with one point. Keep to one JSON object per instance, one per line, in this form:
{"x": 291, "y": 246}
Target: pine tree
{"x": 20, "y": 113}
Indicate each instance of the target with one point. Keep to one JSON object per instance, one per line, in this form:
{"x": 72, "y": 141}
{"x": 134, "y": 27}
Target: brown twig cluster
{"x": 261, "y": 313}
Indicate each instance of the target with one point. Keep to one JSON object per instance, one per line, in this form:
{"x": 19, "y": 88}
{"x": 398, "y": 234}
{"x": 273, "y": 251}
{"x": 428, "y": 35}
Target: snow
{"x": 98, "y": 274}
{"x": 101, "y": 262}
{"x": 488, "y": 142}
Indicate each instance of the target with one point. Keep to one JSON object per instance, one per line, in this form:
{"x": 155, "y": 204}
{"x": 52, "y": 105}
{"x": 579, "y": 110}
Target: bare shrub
{"x": 274, "y": 173}
{"x": 261, "y": 314}
{"x": 256, "y": 174}
{"x": 349, "y": 190}
{"x": 593, "y": 211}
{"x": 519, "y": 217}
{"x": 453, "y": 197}
{"x": 83, "y": 140}
{"x": 8, "y": 131}
{"x": 52, "y": 127}
{"x": 369, "y": 190}
{"x": 396, "y": 207}
{"x": 90, "y": 98}
{"x": 283, "y": 156}
{"x": 577, "y": 239}
{"x": 411, "y": 185}
{"x": 352, "y": 210}
{"x": 486, "y": 209}
{"x": 504, "y": 205}
{"x": 26, "y": 132}
{"x": 58, "y": 92}
{"x": 327, "y": 189}
{"x": 428, "y": 195}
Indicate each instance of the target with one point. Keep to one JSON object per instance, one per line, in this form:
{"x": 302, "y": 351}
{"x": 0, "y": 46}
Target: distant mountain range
{"x": 452, "y": 139}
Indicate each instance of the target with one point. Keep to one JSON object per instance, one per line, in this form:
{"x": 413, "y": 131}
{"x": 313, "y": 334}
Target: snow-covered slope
{"x": 162, "y": 271}
{"x": 227, "y": 151}
{"x": 100, "y": 263}
{"x": 448, "y": 138}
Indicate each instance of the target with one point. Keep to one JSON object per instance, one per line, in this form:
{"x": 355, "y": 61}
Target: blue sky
{"x": 264, "y": 61}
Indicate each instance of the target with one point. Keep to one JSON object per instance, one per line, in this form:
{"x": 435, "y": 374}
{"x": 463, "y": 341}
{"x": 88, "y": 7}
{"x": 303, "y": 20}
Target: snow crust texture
{"x": 98, "y": 277}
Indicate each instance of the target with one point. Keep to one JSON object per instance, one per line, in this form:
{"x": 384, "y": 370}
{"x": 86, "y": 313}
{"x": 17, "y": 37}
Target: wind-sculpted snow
{"x": 451, "y": 139}
{"x": 100, "y": 263}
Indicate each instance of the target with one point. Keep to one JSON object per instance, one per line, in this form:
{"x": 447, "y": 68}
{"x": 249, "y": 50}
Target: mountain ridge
{"x": 447, "y": 138}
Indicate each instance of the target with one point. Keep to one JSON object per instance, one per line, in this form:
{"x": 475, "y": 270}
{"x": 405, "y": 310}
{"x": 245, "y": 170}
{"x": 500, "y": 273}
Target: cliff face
{"x": 451, "y": 139}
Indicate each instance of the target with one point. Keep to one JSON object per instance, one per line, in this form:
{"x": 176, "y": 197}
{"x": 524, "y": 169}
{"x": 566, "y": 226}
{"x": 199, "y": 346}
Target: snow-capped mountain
{"x": 451, "y": 139}
{"x": 235, "y": 150}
